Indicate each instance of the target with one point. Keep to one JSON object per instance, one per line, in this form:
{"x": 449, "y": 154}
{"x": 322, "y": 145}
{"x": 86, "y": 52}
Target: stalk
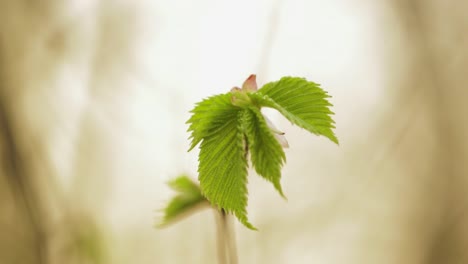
{"x": 226, "y": 241}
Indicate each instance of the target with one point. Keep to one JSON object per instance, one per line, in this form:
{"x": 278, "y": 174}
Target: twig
{"x": 226, "y": 241}
{"x": 17, "y": 176}
{"x": 230, "y": 238}
{"x": 220, "y": 234}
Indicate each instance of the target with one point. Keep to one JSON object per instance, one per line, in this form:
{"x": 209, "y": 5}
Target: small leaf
{"x": 266, "y": 152}
{"x": 187, "y": 201}
{"x": 208, "y": 115}
{"x": 302, "y": 102}
{"x": 184, "y": 184}
{"x": 223, "y": 167}
{"x": 231, "y": 124}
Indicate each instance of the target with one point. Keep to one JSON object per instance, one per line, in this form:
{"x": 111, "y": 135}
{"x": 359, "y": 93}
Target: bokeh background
{"x": 94, "y": 96}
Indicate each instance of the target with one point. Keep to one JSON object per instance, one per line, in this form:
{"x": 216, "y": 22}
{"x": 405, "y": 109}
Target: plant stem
{"x": 220, "y": 234}
{"x": 230, "y": 239}
{"x": 226, "y": 241}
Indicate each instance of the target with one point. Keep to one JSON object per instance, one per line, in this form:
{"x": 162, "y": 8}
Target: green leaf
{"x": 230, "y": 125}
{"x": 188, "y": 200}
{"x": 208, "y": 115}
{"x": 223, "y": 166}
{"x": 183, "y": 184}
{"x": 302, "y": 102}
{"x": 266, "y": 153}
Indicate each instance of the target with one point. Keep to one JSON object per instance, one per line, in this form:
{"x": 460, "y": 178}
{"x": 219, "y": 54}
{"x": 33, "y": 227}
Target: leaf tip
{"x": 278, "y": 187}
{"x": 334, "y": 139}
{"x": 251, "y": 227}
{"x": 247, "y": 224}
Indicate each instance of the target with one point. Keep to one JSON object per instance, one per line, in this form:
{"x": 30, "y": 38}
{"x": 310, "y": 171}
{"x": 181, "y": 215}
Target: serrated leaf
{"x": 222, "y": 160}
{"x": 208, "y": 115}
{"x": 229, "y": 125}
{"x": 183, "y": 184}
{"x": 188, "y": 200}
{"x": 302, "y": 102}
{"x": 266, "y": 152}
{"x": 223, "y": 166}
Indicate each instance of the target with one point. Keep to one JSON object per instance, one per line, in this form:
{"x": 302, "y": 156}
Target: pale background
{"x": 94, "y": 96}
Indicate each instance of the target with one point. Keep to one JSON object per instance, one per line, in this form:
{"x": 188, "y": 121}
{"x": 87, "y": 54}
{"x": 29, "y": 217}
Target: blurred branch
{"x": 20, "y": 183}
{"x": 424, "y": 29}
{"x": 272, "y": 30}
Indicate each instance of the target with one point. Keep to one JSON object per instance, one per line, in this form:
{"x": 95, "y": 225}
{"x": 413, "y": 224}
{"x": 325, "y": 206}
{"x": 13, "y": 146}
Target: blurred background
{"x": 94, "y": 96}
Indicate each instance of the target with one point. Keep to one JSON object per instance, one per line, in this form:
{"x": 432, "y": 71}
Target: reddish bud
{"x": 250, "y": 84}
